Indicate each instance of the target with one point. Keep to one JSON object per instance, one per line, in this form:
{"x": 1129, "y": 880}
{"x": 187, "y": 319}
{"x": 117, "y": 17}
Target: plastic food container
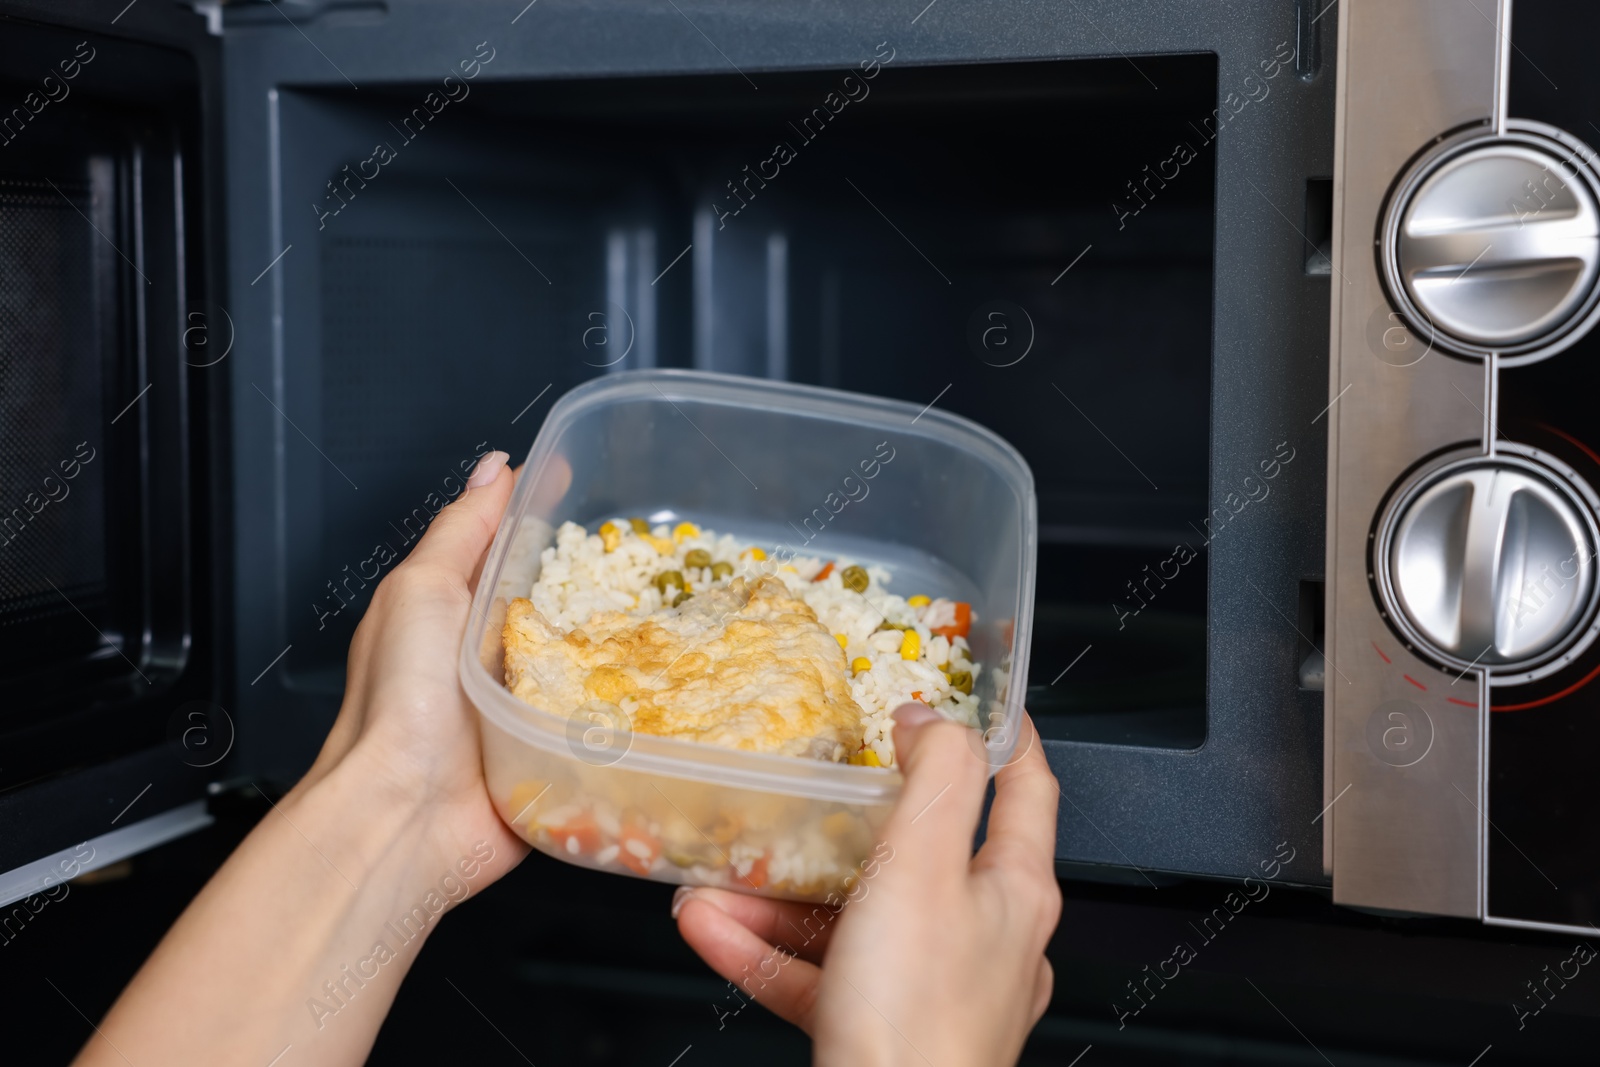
{"x": 795, "y": 469}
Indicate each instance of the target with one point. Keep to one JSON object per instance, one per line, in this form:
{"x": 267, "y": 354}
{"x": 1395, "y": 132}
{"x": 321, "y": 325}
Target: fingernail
{"x": 680, "y": 898}
{"x": 915, "y": 715}
{"x": 487, "y": 470}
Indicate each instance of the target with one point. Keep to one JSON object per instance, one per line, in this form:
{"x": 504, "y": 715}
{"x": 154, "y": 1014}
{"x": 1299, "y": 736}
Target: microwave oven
{"x": 1287, "y": 305}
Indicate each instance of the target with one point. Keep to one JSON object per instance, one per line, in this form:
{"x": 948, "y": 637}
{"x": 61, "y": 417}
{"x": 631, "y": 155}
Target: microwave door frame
{"x": 1220, "y": 809}
{"x": 124, "y": 801}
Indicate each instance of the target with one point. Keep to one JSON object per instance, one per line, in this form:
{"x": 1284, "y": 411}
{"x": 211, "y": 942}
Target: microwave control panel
{"x": 1464, "y": 522}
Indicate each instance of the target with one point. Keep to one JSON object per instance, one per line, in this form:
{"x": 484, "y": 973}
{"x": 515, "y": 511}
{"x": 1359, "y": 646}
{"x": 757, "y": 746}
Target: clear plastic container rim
{"x": 690, "y": 760}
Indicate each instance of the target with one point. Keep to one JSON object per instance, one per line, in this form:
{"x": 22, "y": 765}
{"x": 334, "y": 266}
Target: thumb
{"x": 936, "y": 817}
{"x": 770, "y": 975}
{"x": 459, "y": 537}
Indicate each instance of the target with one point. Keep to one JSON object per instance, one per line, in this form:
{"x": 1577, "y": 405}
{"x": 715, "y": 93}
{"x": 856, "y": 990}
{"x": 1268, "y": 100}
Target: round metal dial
{"x": 1495, "y": 243}
{"x": 1490, "y": 563}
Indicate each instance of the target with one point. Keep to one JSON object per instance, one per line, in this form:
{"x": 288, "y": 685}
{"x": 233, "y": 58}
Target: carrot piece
{"x": 580, "y": 828}
{"x": 758, "y": 873}
{"x": 916, "y": 694}
{"x": 962, "y": 625}
{"x": 824, "y": 572}
{"x": 638, "y": 849}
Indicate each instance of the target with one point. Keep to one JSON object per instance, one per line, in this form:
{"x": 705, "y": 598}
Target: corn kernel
{"x": 788, "y": 568}
{"x": 866, "y": 758}
{"x": 754, "y": 553}
{"x": 859, "y": 664}
{"x": 844, "y": 642}
{"x": 918, "y": 601}
{"x": 610, "y": 536}
{"x": 523, "y": 797}
{"x": 910, "y": 645}
{"x": 662, "y": 545}
{"x": 685, "y": 530}
{"x": 842, "y": 823}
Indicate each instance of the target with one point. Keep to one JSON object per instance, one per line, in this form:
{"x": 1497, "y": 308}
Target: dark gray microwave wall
{"x": 1220, "y": 809}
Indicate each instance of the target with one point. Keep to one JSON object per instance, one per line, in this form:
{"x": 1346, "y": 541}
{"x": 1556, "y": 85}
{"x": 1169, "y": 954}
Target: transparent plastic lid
{"x": 945, "y": 504}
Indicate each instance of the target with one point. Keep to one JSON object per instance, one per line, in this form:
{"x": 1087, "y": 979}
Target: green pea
{"x": 961, "y": 680}
{"x": 855, "y": 579}
{"x": 639, "y": 526}
{"x": 681, "y": 597}
{"x": 668, "y": 578}
{"x": 887, "y": 625}
{"x": 698, "y": 557}
{"x": 721, "y": 570}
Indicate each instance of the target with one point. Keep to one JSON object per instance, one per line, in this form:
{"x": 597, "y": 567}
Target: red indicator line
{"x": 1552, "y": 698}
{"x": 1463, "y": 703}
{"x": 1571, "y": 440}
{"x": 1379, "y": 651}
{"x": 1414, "y": 682}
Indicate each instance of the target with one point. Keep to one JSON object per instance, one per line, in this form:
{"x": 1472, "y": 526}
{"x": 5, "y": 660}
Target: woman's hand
{"x": 301, "y": 939}
{"x": 939, "y": 959}
{"x": 405, "y": 722}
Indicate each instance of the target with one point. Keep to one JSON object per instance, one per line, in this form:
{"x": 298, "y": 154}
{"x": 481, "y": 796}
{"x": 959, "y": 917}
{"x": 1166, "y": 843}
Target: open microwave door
{"x": 112, "y": 361}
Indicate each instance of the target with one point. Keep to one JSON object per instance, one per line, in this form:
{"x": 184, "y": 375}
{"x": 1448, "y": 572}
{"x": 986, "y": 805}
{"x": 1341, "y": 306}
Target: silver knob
{"x": 1497, "y": 245}
{"x": 1491, "y": 564}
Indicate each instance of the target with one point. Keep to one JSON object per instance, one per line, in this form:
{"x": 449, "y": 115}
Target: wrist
{"x": 360, "y": 822}
{"x": 402, "y": 839}
{"x": 342, "y": 881}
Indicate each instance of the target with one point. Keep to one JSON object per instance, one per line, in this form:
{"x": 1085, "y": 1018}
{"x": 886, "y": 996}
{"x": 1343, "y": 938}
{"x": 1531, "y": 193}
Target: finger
{"x": 477, "y": 571}
{"x": 1022, "y": 819}
{"x": 459, "y": 537}
{"x": 783, "y": 985}
{"x": 936, "y": 817}
{"x": 804, "y": 929}
{"x": 555, "y": 478}
{"x": 1044, "y": 987}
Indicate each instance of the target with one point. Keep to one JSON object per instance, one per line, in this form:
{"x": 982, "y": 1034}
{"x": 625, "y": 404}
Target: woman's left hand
{"x": 301, "y": 939}
{"x": 405, "y": 721}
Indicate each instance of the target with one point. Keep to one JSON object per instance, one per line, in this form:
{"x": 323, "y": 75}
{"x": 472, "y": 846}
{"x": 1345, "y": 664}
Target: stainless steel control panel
{"x": 1460, "y": 561}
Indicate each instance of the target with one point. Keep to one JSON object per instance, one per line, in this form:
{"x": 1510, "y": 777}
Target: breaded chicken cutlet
{"x": 746, "y": 667}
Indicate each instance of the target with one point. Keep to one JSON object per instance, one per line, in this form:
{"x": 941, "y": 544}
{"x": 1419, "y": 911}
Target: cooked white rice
{"x": 580, "y": 576}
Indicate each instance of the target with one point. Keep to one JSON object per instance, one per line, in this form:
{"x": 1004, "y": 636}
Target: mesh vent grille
{"x": 50, "y": 400}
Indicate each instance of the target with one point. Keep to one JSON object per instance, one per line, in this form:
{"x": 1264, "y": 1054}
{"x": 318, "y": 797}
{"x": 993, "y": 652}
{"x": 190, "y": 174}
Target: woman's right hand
{"x": 939, "y": 958}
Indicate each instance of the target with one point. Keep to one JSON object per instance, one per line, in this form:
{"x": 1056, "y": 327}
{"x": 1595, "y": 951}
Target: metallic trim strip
{"x": 1529, "y": 924}
{"x": 41, "y": 874}
{"x": 1491, "y": 403}
{"x": 1483, "y": 792}
{"x": 1330, "y": 536}
{"x": 1502, "y": 66}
